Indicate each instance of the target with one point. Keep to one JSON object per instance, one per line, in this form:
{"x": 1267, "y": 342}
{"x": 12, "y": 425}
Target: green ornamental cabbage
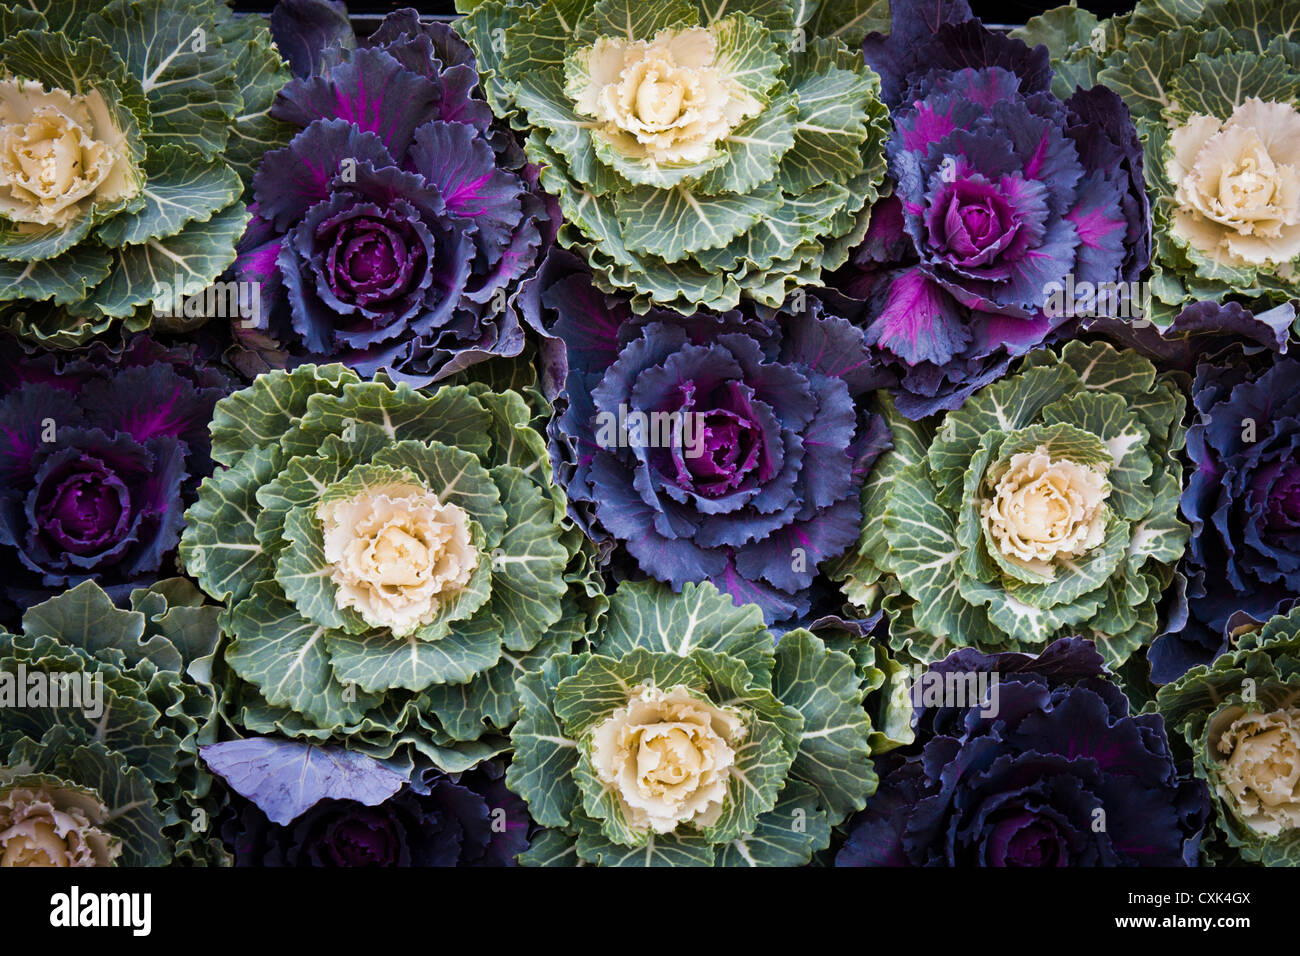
{"x": 102, "y": 711}
{"x": 1213, "y": 86}
{"x": 1241, "y": 718}
{"x": 390, "y": 559}
{"x": 687, "y": 738}
{"x": 1044, "y": 507}
{"x": 700, "y": 149}
{"x": 125, "y": 130}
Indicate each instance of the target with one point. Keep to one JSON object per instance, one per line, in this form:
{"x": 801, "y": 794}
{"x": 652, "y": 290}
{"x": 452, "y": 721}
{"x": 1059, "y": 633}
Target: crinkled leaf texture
{"x": 139, "y": 754}
{"x": 1242, "y": 501}
{"x": 760, "y": 211}
{"x": 188, "y": 87}
{"x": 100, "y": 453}
{"x": 926, "y": 558}
{"x": 727, "y": 448}
{"x": 1171, "y": 61}
{"x": 1032, "y": 761}
{"x": 392, "y": 229}
{"x": 1260, "y": 675}
{"x": 302, "y": 665}
{"x": 1013, "y": 212}
{"x": 802, "y": 767}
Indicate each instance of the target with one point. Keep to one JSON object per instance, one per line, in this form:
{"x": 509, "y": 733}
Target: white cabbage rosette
{"x": 700, "y": 152}
{"x": 1237, "y": 184}
{"x": 1240, "y": 717}
{"x": 690, "y": 737}
{"x": 396, "y": 553}
{"x": 59, "y": 153}
{"x": 391, "y": 560}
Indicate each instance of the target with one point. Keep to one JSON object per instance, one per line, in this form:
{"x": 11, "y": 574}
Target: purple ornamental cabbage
{"x": 1001, "y": 191}
{"x": 1028, "y": 785}
{"x": 1201, "y": 331}
{"x": 474, "y": 822}
{"x": 1243, "y": 502}
{"x": 100, "y": 454}
{"x": 387, "y": 235}
{"x": 752, "y": 450}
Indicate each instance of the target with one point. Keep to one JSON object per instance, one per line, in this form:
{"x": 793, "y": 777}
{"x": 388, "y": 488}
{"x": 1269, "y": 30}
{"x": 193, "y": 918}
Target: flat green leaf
{"x": 551, "y": 848}
{"x": 180, "y": 188}
{"x": 182, "y": 65}
{"x": 922, "y": 538}
{"x": 1216, "y": 85}
{"x": 672, "y": 224}
{"x": 542, "y": 769}
{"x": 63, "y": 280}
{"x": 787, "y": 835}
{"x": 681, "y": 848}
{"x": 832, "y": 126}
{"x": 450, "y": 416}
{"x": 604, "y": 684}
{"x": 378, "y": 661}
{"x": 754, "y": 149}
{"x": 528, "y": 565}
{"x": 219, "y": 546}
{"x": 747, "y": 52}
{"x": 648, "y": 615}
{"x": 834, "y": 756}
{"x": 260, "y": 73}
{"x": 195, "y": 256}
{"x": 846, "y": 20}
{"x": 284, "y": 654}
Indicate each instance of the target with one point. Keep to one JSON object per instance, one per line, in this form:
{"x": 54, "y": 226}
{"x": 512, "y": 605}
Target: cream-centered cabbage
{"x": 667, "y": 756}
{"x": 59, "y": 152}
{"x": 666, "y": 101}
{"x": 397, "y": 554}
{"x": 1044, "y": 509}
{"x": 1259, "y": 773}
{"x": 1237, "y": 184}
{"x": 40, "y": 829}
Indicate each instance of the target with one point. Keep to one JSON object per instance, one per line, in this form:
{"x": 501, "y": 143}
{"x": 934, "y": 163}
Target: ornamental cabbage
{"x": 700, "y": 150}
{"x": 102, "y": 711}
{"x": 1045, "y": 506}
{"x": 1240, "y": 718}
{"x": 1243, "y": 504}
{"x": 1046, "y": 768}
{"x": 389, "y": 560}
{"x": 389, "y": 232}
{"x": 1001, "y": 192}
{"x": 124, "y": 134}
{"x": 99, "y": 454}
{"x": 1212, "y": 86}
{"x": 687, "y": 738}
{"x": 714, "y": 447}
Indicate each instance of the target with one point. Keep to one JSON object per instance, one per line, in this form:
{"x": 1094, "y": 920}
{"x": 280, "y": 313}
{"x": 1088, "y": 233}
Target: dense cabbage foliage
{"x": 125, "y": 134}
{"x": 389, "y": 560}
{"x": 1046, "y": 506}
{"x": 701, "y": 151}
{"x": 686, "y": 737}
